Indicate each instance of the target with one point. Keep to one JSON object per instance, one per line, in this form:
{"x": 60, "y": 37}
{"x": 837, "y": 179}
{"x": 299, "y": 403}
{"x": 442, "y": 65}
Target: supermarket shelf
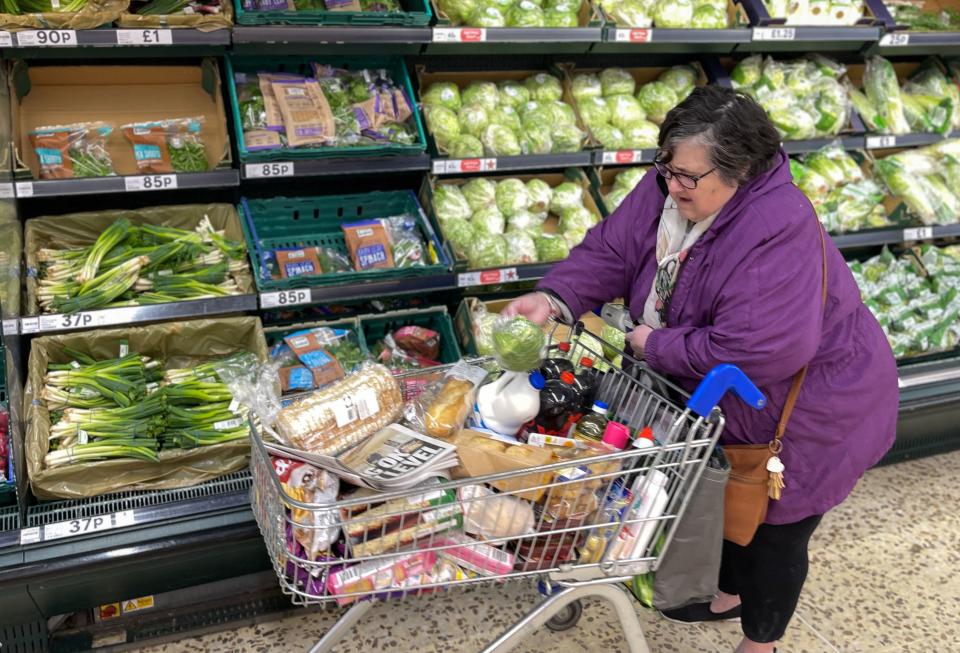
{"x": 61, "y": 39}
{"x": 137, "y": 314}
{"x": 814, "y": 144}
{"x": 781, "y": 38}
{"x": 128, "y": 184}
{"x": 514, "y": 40}
{"x": 698, "y": 41}
{"x": 906, "y": 43}
{"x": 623, "y": 157}
{"x": 446, "y": 166}
{"x": 340, "y": 166}
{"x": 262, "y": 35}
{"x": 884, "y": 142}
{"x": 878, "y": 237}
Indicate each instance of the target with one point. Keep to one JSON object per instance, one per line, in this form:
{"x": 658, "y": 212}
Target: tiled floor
{"x": 884, "y": 578}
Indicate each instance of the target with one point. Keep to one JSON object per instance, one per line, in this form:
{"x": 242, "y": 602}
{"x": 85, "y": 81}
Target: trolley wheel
{"x": 566, "y": 618}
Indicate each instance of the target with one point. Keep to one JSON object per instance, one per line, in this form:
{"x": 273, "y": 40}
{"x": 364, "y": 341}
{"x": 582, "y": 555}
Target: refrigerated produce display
{"x": 211, "y": 209}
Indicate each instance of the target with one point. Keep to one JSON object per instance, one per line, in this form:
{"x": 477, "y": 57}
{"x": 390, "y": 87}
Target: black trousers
{"x": 768, "y": 574}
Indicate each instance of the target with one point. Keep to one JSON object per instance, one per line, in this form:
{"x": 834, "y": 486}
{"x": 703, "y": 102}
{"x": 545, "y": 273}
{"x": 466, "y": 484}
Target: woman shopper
{"x": 720, "y": 258}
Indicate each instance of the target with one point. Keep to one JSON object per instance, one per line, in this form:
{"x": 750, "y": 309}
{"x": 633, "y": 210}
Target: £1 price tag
{"x": 881, "y": 142}
{"x": 918, "y": 233}
{"x": 285, "y": 298}
{"x": 144, "y": 37}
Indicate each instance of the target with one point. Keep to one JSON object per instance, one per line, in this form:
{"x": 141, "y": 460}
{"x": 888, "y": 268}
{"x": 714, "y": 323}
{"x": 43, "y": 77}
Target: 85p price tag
{"x": 149, "y": 182}
{"x": 285, "y": 298}
{"x": 265, "y": 170}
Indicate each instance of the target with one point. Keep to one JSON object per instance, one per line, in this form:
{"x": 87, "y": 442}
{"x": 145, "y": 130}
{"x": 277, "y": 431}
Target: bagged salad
{"x": 167, "y": 146}
{"x": 70, "y": 151}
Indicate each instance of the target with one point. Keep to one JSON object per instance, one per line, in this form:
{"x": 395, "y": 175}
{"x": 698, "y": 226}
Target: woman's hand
{"x": 638, "y": 339}
{"x": 534, "y": 306}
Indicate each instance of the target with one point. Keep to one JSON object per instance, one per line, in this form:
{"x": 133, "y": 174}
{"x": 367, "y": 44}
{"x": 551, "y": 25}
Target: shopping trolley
{"x": 581, "y": 527}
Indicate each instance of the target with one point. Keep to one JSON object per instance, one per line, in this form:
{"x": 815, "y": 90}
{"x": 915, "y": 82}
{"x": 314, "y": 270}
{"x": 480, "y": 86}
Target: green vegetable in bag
{"x": 449, "y": 203}
{"x": 480, "y": 193}
{"x": 518, "y": 344}
{"x": 552, "y": 247}
{"x": 443, "y": 94}
{"x": 466, "y": 146}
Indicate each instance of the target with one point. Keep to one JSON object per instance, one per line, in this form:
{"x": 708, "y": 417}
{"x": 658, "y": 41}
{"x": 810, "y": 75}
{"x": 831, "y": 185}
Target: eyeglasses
{"x": 687, "y": 181}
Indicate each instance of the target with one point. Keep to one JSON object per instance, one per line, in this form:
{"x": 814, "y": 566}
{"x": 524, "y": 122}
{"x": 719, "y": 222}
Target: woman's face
{"x": 692, "y": 158}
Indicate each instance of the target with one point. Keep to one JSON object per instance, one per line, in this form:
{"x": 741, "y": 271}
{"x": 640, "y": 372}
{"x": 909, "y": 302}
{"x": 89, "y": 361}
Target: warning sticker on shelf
{"x": 133, "y": 605}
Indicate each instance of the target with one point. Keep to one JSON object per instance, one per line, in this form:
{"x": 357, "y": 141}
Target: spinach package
{"x": 68, "y": 151}
{"x": 167, "y": 146}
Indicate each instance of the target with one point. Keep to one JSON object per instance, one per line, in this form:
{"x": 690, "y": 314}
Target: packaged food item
{"x": 395, "y": 572}
{"x": 253, "y": 115}
{"x": 559, "y": 404}
{"x": 493, "y": 515}
{"x": 442, "y": 408}
{"x": 478, "y": 557}
{"x": 296, "y": 378}
{"x": 574, "y": 495}
{"x": 552, "y": 544}
{"x": 307, "y": 119}
{"x": 394, "y": 513}
{"x": 298, "y": 262}
{"x": 592, "y": 425}
{"x": 483, "y": 454}
{"x": 273, "y": 116}
{"x": 167, "y": 146}
{"x": 368, "y": 244}
{"x": 419, "y": 525}
{"x": 261, "y": 139}
{"x": 558, "y": 363}
{"x": 69, "y": 151}
{"x": 311, "y": 351}
{"x": 340, "y": 416}
{"x": 315, "y": 530}
{"x": 406, "y": 245}
{"x": 418, "y": 340}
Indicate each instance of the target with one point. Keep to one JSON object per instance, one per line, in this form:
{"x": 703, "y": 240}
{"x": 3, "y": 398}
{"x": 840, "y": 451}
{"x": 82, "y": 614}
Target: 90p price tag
{"x": 144, "y": 37}
{"x": 150, "y": 182}
{"x": 285, "y": 298}
{"x": 47, "y": 38}
{"x": 264, "y": 170}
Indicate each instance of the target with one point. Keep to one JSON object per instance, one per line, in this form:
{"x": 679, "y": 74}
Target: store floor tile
{"x": 883, "y": 579}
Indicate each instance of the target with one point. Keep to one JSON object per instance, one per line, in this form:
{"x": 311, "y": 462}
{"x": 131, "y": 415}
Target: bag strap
{"x": 776, "y": 445}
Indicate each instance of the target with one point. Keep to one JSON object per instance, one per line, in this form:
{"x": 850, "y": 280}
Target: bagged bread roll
{"x": 344, "y": 414}
{"x": 444, "y": 405}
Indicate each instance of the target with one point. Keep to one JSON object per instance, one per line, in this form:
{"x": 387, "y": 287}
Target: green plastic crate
{"x": 302, "y": 66}
{"x": 8, "y": 488}
{"x": 284, "y": 222}
{"x": 376, "y": 327}
{"x": 416, "y": 13}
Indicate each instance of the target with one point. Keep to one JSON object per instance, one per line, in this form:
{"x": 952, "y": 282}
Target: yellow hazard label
{"x": 109, "y": 611}
{"x": 142, "y": 603}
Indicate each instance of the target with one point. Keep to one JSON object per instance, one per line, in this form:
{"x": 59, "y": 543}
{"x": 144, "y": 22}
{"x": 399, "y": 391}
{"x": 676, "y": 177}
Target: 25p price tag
{"x": 895, "y": 40}
{"x": 150, "y": 182}
{"x": 265, "y": 170}
{"x": 285, "y": 298}
{"x": 47, "y": 38}
{"x": 144, "y": 37}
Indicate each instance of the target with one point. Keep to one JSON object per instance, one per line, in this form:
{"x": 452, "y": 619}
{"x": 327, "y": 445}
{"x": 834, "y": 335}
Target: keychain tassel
{"x": 775, "y": 483}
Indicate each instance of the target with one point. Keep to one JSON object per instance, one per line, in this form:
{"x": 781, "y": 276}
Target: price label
{"x": 47, "y": 38}
{"x": 29, "y": 325}
{"x": 144, "y": 37}
{"x": 881, "y": 142}
{"x": 487, "y": 277}
{"x": 150, "y": 182}
{"x": 24, "y": 189}
{"x": 71, "y": 321}
{"x": 633, "y": 35}
{"x": 30, "y": 535}
{"x": 459, "y": 34}
{"x": 918, "y": 233}
{"x": 6, "y": 40}
{"x": 622, "y": 156}
{"x": 11, "y": 327}
{"x": 6, "y": 191}
{"x": 457, "y": 166}
{"x": 276, "y": 169}
{"x": 284, "y": 298}
{"x": 895, "y": 39}
{"x": 74, "y": 527}
{"x": 774, "y": 33}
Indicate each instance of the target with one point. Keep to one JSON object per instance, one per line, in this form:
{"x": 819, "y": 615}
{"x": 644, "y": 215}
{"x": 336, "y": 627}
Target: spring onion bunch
{"x": 147, "y": 264}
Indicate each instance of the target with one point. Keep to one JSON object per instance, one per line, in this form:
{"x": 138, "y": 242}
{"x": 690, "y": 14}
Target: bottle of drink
{"x": 588, "y": 381}
{"x": 558, "y": 363}
{"x": 558, "y": 400}
{"x": 510, "y": 402}
{"x": 592, "y": 425}
{"x": 644, "y": 439}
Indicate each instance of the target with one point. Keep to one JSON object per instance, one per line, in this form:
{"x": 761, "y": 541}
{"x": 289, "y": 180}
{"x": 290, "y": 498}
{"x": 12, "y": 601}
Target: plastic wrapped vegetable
{"x": 828, "y": 163}
{"x": 527, "y": 221}
{"x": 499, "y": 141}
{"x": 586, "y": 85}
{"x": 506, "y": 116}
{"x": 566, "y": 138}
{"x": 536, "y": 139}
{"x": 746, "y": 74}
{"x": 480, "y": 193}
{"x": 513, "y": 94}
{"x": 484, "y": 94}
{"x": 617, "y": 81}
{"x": 629, "y": 178}
{"x": 487, "y": 16}
{"x": 594, "y": 111}
{"x": 577, "y": 217}
{"x": 630, "y": 13}
{"x": 460, "y": 234}
{"x": 641, "y": 135}
{"x": 656, "y": 99}
{"x": 561, "y": 113}
{"x": 449, "y": 203}
{"x": 673, "y": 14}
{"x": 525, "y": 14}
{"x": 566, "y": 196}
{"x": 459, "y": 11}
{"x": 811, "y": 183}
{"x": 556, "y": 18}
{"x": 574, "y": 237}
{"x": 466, "y": 146}
{"x": 405, "y": 241}
{"x": 682, "y": 79}
{"x": 443, "y": 124}
{"x": 443, "y": 94}
{"x": 544, "y": 87}
{"x": 539, "y": 194}
{"x": 518, "y": 344}
{"x": 615, "y": 198}
{"x": 473, "y": 120}
{"x": 489, "y": 220}
{"x": 883, "y": 90}
{"x": 483, "y": 321}
{"x": 487, "y": 251}
{"x": 625, "y": 110}
{"x": 511, "y": 196}
{"x": 610, "y": 137}
{"x": 520, "y": 248}
{"x": 709, "y": 17}
{"x": 552, "y": 247}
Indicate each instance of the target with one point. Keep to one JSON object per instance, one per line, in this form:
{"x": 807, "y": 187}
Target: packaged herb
{"x": 68, "y": 151}
{"x": 167, "y": 146}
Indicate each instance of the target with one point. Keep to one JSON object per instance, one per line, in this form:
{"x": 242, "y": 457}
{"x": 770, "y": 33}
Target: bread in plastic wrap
{"x": 342, "y": 415}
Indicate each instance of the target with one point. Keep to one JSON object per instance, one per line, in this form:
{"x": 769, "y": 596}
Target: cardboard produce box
{"x": 93, "y": 14}
{"x": 118, "y": 95}
{"x": 198, "y": 21}
{"x": 178, "y": 344}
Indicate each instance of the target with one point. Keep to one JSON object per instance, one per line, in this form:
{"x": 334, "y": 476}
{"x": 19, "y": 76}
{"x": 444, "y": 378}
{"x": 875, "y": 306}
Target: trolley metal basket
{"x": 582, "y": 526}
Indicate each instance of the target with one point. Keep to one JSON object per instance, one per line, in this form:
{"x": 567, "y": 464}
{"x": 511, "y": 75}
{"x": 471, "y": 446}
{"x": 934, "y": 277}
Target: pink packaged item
{"x": 405, "y": 571}
{"x": 475, "y": 556}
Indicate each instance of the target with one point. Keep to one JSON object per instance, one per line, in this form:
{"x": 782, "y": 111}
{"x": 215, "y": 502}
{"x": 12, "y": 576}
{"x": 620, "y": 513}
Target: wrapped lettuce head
{"x": 512, "y": 196}
{"x": 506, "y": 116}
{"x": 484, "y": 94}
{"x": 487, "y": 251}
{"x": 617, "y": 81}
{"x": 625, "y": 110}
{"x": 709, "y": 17}
{"x": 681, "y": 79}
{"x": 513, "y": 94}
{"x": 480, "y": 193}
{"x": 586, "y": 85}
{"x": 566, "y": 196}
{"x": 574, "y": 237}
{"x": 539, "y": 194}
{"x": 615, "y": 198}
{"x": 555, "y": 18}
{"x": 527, "y": 221}
{"x": 450, "y": 204}
{"x": 630, "y": 13}
{"x": 458, "y": 11}
{"x": 544, "y": 87}
{"x": 577, "y": 217}
{"x": 473, "y": 119}
{"x": 566, "y": 138}
{"x": 442, "y": 94}
{"x": 629, "y": 178}
{"x": 460, "y": 234}
{"x": 746, "y": 74}
{"x": 525, "y": 14}
{"x": 487, "y": 16}
{"x": 518, "y": 344}
{"x": 552, "y": 247}
{"x": 536, "y": 139}
{"x": 594, "y": 111}
{"x": 521, "y": 248}
{"x": 466, "y": 146}
{"x": 483, "y": 321}
{"x": 561, "y": 113}
{"x": 489, "y": 220}
{"x": 656, "y": 99}
{"x": 673, "y": 14}
{"x": 610, "y": 137}
{"x": 443, "y": 124}
{"x": 500, "y": 141}
{"x": 812, "y": 184}
{"x": 641, "y": 136}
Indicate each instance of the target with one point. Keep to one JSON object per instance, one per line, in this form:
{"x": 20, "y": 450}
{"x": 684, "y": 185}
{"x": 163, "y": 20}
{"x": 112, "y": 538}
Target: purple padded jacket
{"x": 749, "y": 293}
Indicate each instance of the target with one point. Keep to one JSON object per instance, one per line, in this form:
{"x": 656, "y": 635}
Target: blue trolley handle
{"x": 716, "y": 384}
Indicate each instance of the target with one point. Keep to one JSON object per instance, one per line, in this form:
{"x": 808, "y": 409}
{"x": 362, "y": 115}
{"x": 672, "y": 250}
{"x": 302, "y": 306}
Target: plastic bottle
{"x": 644, "y": 439}
{"x": 558, "y": 363}
{"x": 558, "y": 400}
{"x": 650, "y": 499}
{"x": 589, "y": 377}
{"x": 616, "y": 435}
{"x": 591, "y": 426}
{"x": 511, "y": 401}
